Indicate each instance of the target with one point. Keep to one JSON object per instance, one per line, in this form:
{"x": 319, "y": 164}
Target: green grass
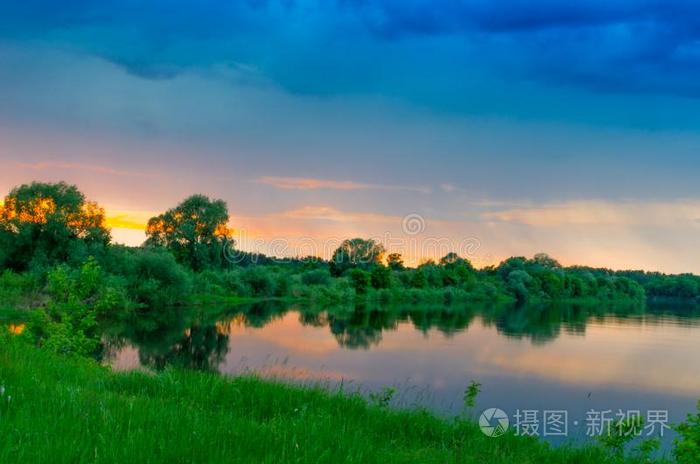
{"x": 73, "y": 410}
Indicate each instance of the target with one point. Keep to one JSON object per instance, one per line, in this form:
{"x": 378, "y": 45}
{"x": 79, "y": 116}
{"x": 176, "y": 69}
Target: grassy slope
{"x": 76, "y": 411}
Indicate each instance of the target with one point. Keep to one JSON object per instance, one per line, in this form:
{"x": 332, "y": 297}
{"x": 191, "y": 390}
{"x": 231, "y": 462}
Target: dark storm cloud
{"x": 394, "y": 18}
{"x": 610, "y": 46}
{"x": 621, "y": 46}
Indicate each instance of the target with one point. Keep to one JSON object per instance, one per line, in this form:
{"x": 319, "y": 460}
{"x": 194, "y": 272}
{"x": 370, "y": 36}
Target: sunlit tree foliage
{"x": 196, "y": 232}
{"x": 42, "y": 224}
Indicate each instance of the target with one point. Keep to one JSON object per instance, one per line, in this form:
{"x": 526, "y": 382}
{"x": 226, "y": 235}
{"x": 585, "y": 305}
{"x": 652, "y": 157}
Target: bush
{"x": 282, "y": 285}
{"x": 157, "y": 280}
{"x": 687, "y": 450}
{"x": 316, "y": 277}
{"x": 77, "y": 297}
{"x": 260, "y": 281}
{"x": 18, "y": 290}
{"x": 233, "y": 283}
{"x": 485, "y": 291}
{"x": 208, "y": 282}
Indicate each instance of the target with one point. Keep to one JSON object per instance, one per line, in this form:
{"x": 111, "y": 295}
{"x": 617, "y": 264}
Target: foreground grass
{"x": 73, "y": 410}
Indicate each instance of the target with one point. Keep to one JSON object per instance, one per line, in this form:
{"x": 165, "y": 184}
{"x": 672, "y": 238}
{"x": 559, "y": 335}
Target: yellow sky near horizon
{"x": 299, "y": 216}
{"x": 601, "y": 234}
{"x": 596, "y": 233}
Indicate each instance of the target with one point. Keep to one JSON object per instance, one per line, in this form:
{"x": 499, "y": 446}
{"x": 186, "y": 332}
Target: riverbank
{"x": 57, "y": 409}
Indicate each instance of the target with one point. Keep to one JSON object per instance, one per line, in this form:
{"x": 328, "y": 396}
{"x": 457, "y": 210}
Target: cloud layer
{"x": 628, "y": 46}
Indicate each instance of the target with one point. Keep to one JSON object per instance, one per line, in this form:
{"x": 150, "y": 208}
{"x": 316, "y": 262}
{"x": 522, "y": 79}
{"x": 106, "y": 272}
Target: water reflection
{"x": 572, "y": 357}
{"x": 198, "y": 338}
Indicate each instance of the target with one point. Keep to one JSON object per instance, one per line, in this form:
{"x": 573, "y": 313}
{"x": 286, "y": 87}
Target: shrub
{"x": 259, "y": 280}
{"x": 18, "y": 290}
{"x": 316, "y": 277}
{"x": 208, "y": 282}
{"x": 77, "y": 297}
{"x": 282, "y": 285}
{"x": 232, "y": 281}
{"x": 687, "y": 450}
{"x": 157, "y": 279}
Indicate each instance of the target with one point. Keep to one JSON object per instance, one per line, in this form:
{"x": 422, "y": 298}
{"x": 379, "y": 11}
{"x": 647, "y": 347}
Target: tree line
{"x": 56, "y": 256}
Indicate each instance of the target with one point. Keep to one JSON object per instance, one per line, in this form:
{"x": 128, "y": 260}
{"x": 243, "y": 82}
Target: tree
{"x": 520, "y": 283}
{"x": 356, "y": 253}
{"x": 450, "y": 259}
{"x": 552, "y": 284}
{"x": 43, "y": 224}
{"x": 360, "y": 280}
{"x": 516, "y": 263}
{"x": 544, "y": 260}
{"x": 395, "y": 262}
{"x": 432, "y": 273}
{"x": 456, "y": 270}
{"x": 419, "y": 280}
{"x": 381, "y": 276}
{"x": 195, "y": 231}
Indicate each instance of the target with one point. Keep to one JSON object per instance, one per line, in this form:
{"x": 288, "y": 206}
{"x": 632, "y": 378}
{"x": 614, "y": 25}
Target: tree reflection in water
{"x": 198, "y": 338}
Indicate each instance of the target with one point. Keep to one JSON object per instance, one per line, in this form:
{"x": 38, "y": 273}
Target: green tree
{"x": 450, "y": 259}
{"x": 195, "y": 231}
{"x": 395, "y": 262}
{"x": 432, "y": 273}
{"x": 520, "y": 283}
{"x": 552, "y": 284}
{"x": 456, "y": 270}
{"x": 360, "y": 280}
{"x": 418, "y": 280}
{"x": 516, "y": 263}
{"x": 356, "y": 253}
{"x": 45, "y": 224}
{"x": 381, "y": 277}
{"x": 544, "y": 260}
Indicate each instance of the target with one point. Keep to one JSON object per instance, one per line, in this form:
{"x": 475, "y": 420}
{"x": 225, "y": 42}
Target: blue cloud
{"x": 612, "y": 46}
{"x": 385, "y": 46}
{"x": 394, "y": 18}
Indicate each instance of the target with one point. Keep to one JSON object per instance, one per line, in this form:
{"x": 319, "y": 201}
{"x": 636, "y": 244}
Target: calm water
{"x": 539, "y": 358}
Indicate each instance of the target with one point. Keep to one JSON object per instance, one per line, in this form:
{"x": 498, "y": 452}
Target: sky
{"x": 489, "y": 128}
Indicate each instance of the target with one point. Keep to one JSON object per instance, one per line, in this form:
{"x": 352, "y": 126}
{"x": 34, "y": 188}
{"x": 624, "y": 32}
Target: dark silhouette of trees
{"x": 395, "y": 262}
